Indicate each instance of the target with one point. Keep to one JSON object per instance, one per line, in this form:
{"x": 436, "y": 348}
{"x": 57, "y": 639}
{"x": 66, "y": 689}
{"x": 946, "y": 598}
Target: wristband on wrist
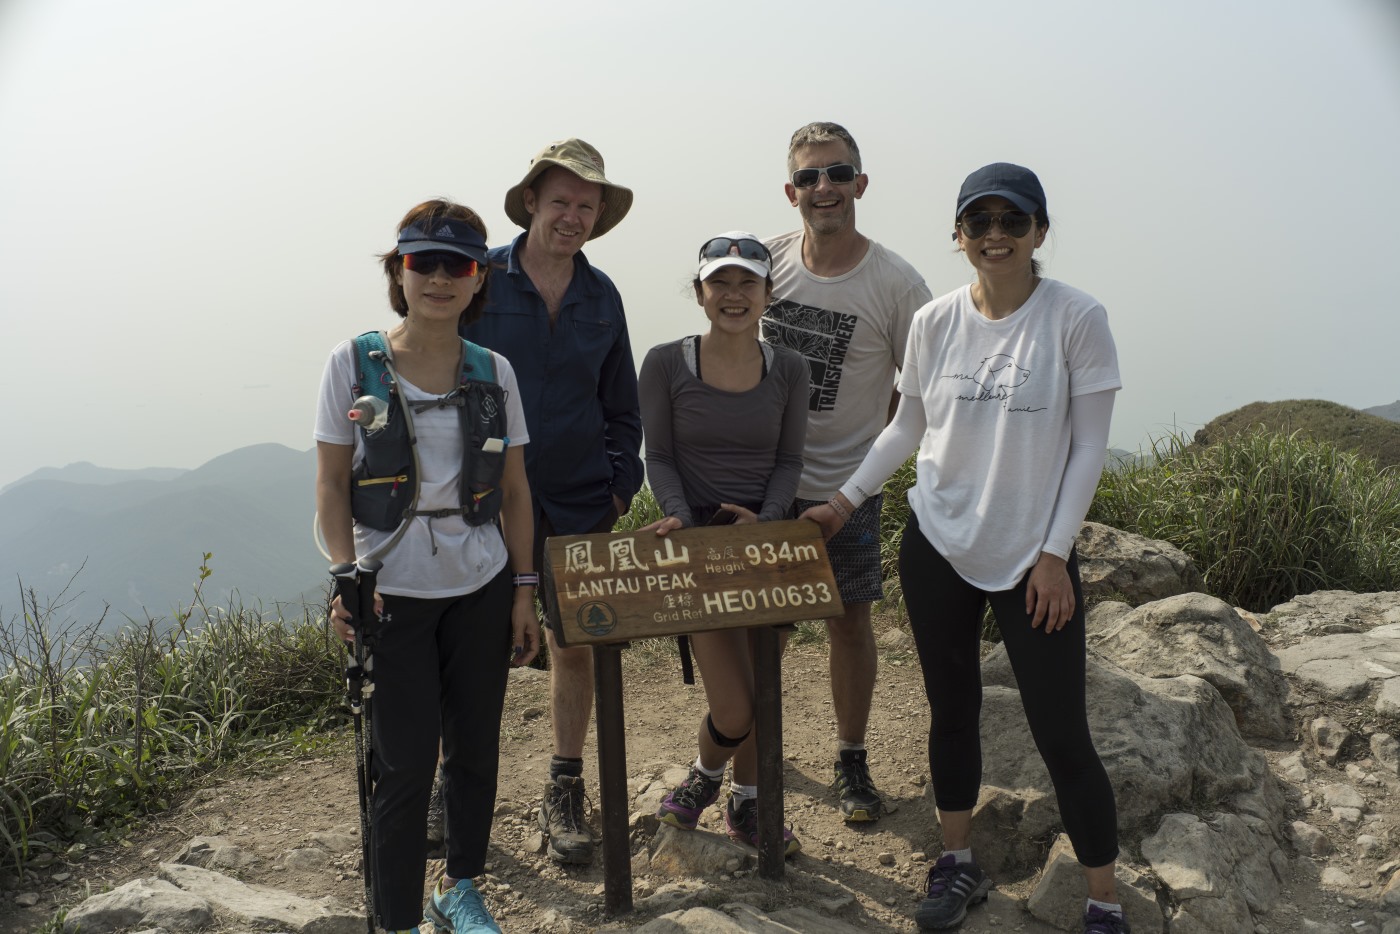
{"x": 839, "y": 509}
{"x": 530, "y": 579}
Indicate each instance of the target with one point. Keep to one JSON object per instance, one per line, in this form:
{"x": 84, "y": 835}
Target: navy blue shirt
{"x": 578, "y": 386}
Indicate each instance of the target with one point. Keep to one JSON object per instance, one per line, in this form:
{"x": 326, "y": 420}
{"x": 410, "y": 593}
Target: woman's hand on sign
{"x": 1049, "y": 593}
{"x": 742, "y": 516}
{"x": 662, "y": 526}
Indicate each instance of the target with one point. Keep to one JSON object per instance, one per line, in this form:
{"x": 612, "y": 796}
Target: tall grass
{"x": 1264, "y": 516}
{"x": 97, "y": 730}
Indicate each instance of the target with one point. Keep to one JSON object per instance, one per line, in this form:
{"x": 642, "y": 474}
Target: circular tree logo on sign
{"x": 596, "y": 619}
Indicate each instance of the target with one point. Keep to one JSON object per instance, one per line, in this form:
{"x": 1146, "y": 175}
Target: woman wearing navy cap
{"x": 725, "y": 417}
{"x": 1007, "y": 393}
{"x": 434, "y": 486}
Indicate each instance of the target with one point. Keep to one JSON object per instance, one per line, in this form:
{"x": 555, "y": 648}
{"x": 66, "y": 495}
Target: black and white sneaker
{"x": 952, "y": 887}
{"x": 860, "y": 801}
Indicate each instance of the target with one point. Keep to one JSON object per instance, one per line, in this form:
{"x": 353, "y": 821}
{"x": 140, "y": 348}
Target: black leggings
{"x": 440, "y": 670}
{"x": 945, "y": 613}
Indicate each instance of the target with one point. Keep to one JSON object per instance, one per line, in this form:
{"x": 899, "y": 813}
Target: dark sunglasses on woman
{"x": 425, "y": 263}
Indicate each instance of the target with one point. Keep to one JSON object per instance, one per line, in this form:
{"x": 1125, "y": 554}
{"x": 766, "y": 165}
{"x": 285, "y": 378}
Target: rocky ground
{"x": 1322, "y": 858}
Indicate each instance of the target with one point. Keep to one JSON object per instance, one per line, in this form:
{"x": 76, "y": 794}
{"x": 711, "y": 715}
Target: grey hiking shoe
{"x": 562, "y": 818}
{"x": 952, "y": 887}
{"x": 437, "y": 832}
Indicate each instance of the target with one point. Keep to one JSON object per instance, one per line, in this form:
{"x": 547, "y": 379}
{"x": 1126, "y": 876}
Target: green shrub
{"x": 1264, "y": 516}
{"x": 96, "y": 730}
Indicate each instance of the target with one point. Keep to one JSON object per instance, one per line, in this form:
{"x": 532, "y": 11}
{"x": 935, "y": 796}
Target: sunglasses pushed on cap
{"x": 735, "y": 248}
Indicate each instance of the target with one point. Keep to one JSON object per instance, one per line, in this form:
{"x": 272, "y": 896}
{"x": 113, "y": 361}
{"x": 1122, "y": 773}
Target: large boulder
{"x": 1199, "y": 635}
{"x": 140, "y": 903}
{"x": 1169, "y": 744}
{"x": 1113, "y": 562}
{"x": 1329, "y": 612}
{"x": 1221, "y": 873}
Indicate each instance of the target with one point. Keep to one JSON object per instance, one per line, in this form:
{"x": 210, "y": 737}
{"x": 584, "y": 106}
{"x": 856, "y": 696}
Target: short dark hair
{"x": 823, "y": 131}
{"x": 427, "y": 215}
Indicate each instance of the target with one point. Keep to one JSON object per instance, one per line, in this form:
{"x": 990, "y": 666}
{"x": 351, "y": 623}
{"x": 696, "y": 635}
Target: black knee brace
{"x": 728, "y": 742}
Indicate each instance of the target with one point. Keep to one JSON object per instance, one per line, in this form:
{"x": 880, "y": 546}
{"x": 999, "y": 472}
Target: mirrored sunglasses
{"x": 842, "y": 174}
{"x": 426, "y": 263}
{"x": 745, "y": 248}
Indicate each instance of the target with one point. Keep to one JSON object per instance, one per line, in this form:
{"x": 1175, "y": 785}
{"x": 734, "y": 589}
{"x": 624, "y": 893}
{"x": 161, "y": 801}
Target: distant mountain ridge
{"x": 142, "y": 534}
{"x": 1391, "y": 412}
{"x": 1349, "y": 429}
{"x": 85, "y": 472}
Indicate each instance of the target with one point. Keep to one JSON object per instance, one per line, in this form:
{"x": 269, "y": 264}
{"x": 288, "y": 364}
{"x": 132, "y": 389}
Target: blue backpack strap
{"x": 477, "y": 363}
{"x": 373, "y": 375}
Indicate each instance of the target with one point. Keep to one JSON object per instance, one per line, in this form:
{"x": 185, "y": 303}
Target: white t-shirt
{"x": 852, "y": 331}
{"x": 996, "y": 399}
{"x": 467, "y": 556}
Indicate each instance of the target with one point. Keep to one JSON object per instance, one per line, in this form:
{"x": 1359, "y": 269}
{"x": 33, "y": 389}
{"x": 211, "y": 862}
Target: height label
{"x": 619, "y": 586}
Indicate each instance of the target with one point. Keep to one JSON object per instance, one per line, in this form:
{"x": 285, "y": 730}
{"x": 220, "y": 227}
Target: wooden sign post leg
{"x": 768, "y": 717}
{"x": 612, "y": 779}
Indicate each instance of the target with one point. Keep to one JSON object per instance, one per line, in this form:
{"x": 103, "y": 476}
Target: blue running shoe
{"x": 952, "y": 887}
{"x": 460, "y": 910}
{"x": 683, "y": 805}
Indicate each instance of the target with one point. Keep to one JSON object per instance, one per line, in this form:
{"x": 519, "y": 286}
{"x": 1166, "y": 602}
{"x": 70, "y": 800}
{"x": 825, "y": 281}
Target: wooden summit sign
{"x": 619, "y": 586}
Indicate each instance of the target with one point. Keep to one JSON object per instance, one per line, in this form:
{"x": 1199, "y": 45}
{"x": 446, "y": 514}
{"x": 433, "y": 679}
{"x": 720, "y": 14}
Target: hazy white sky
{"x": 192, "y": 193}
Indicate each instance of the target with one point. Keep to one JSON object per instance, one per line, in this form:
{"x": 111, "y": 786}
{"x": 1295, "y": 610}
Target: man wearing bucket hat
{"x": 560, "y": 323}
{"x": 845, "y": 303}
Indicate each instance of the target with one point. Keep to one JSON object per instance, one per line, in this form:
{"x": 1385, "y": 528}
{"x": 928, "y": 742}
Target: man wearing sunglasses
{"x": 845, "y": 303}
{"x": 560, "y": 323}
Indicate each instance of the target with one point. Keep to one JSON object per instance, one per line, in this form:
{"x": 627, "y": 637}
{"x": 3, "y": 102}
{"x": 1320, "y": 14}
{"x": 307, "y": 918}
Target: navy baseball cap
{"x": 447, "y": 235}
{"x": 1015, "y": 183}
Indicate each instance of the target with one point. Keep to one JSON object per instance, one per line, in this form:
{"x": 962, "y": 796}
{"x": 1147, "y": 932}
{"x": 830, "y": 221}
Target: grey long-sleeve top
{"x": 705, "y": 446}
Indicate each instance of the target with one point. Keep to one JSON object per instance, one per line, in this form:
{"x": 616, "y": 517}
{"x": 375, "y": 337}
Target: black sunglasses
{"x": 427, "y": 262}
{"x": 975, "y": 224}
{"x": 746, "y": 249}
{"x": 842, "y": 174}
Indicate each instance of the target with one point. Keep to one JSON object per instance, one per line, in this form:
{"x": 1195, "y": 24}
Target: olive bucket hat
{"x": 585, "y": 162}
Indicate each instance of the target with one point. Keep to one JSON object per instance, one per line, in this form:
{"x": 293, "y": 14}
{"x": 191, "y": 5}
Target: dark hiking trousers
{"x": 440, "y": 670}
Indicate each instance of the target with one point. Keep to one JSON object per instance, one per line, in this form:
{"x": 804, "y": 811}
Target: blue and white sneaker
{"x": 460, "y": 910}
{"x": 952, "y": 887}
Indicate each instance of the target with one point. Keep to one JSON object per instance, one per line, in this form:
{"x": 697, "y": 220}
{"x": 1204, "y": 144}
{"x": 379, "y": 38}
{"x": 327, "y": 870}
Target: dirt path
{"x": 877, "y": 870}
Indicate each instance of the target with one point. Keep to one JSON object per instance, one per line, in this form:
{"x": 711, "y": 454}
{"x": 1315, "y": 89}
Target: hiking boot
{"x": 562, "y": 820}
{"x": 460, "y": 910}
{"x": 682, "y": 806}
{"x": 742, "y": 824}
{"x": 1098, "y": 921}
{"x": 437, "y": 832}
{"x": 952, "y": 887}
{"x": 859, "y": 799}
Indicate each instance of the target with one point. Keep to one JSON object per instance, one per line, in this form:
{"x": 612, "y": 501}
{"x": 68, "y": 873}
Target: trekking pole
{"x": 355, "y": 586}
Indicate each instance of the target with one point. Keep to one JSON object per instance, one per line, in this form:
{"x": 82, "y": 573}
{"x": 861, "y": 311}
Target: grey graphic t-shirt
{"x": 851, "y": 330}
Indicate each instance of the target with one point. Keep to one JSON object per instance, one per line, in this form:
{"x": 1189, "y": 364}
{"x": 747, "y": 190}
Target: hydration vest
{"x": 384, "y": 486}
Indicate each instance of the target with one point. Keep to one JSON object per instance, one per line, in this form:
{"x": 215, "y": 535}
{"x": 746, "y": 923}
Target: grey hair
{"x": 821, "y": 132}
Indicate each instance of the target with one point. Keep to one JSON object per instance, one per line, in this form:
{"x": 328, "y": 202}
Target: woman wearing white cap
{"x": 725, "y": 417}
{"x": 1007, "y": 392}
{"x": 435, "y": 486}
